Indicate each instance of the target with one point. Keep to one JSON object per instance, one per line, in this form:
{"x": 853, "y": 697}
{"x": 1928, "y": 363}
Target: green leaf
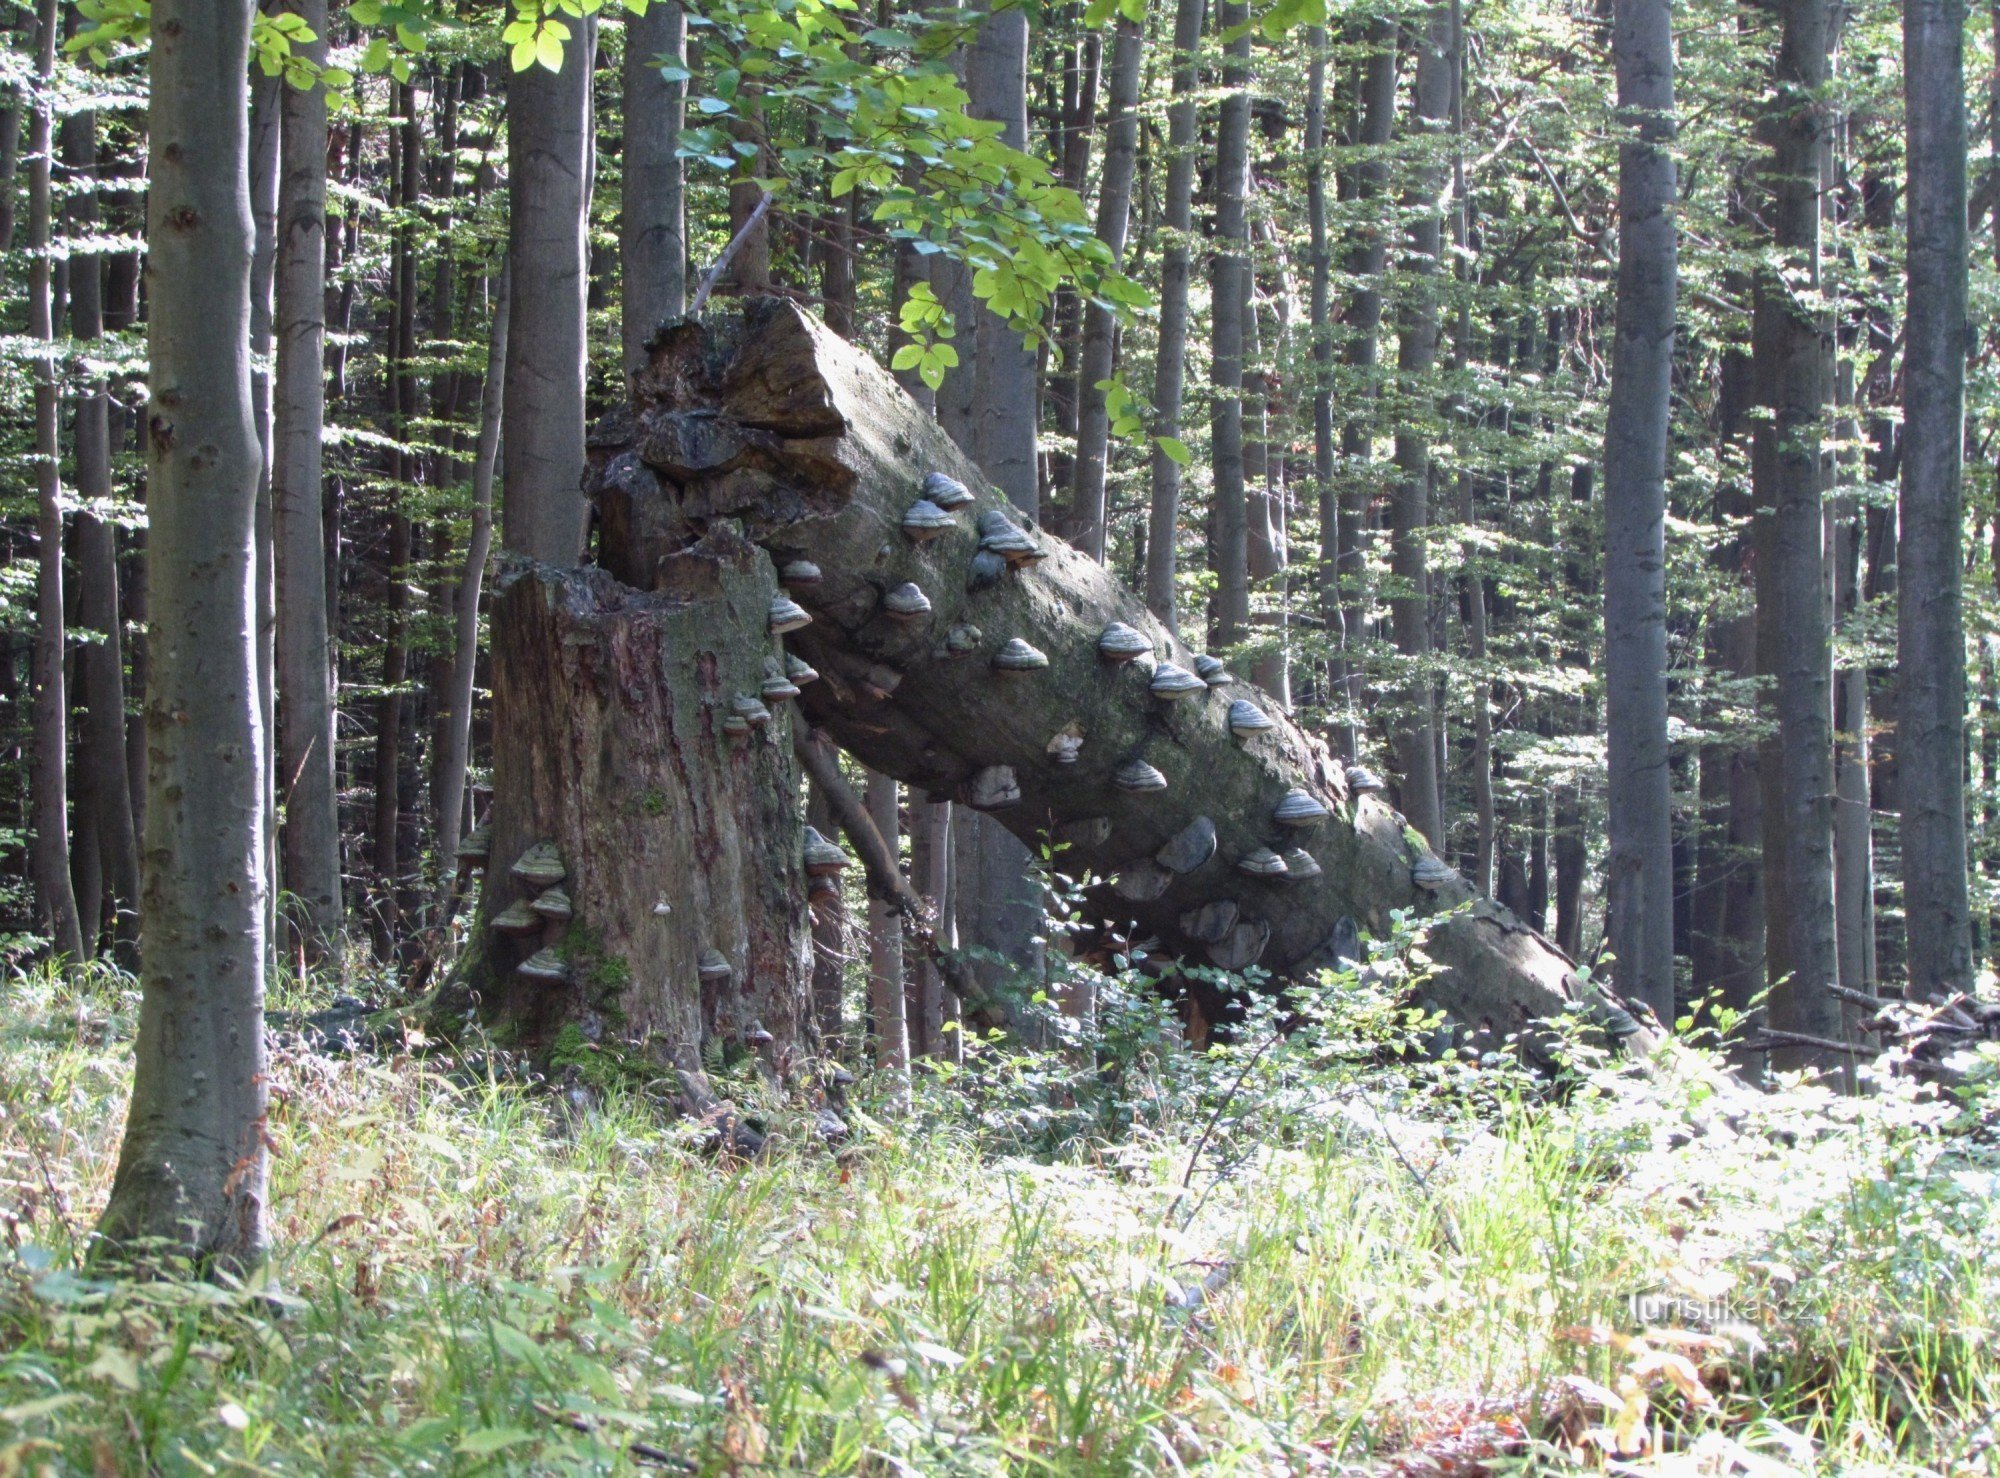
{"x": 489, "y": 1440}
{"x": 549, "y": 48}
{"x": 907, "y": 356}
{"x": 1176, "y": 450}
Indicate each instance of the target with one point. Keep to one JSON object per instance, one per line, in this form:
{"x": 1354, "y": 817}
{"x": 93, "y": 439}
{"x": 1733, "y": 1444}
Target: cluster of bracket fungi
{"x": 1004, "y": 546}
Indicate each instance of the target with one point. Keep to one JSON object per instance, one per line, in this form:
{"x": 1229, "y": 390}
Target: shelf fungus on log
{"x": 1066, "y": 744}
{"x": 1301, "y": 865}
{"x": 1246, "y": 719}
{"x": 553, "y": 904}
{"x": 994, "y": 788}
{"x": 946, "y": 491}
{"x": 1431, "y": 874}
{"x": 1210, "y": 922}
{"x": 1299, "y": 808}
{"x": 1262, "y": 862}
{"x": 1211, "y": 671}
{"x": 1143, "y": 881}
{"x": 800, "y": 574}
{"x": 800, "y": 671}
{"x": 1173, "y": 681}
{"x": 1363, "y": 781}
{"x": 472, "y": 852}
{"x": 788, "y": 615}
{"x": 925, "y": 521}
{"x": 1190, "y": 848}
{"x": 907, "y": 602}
{"x": 1121, "y": 643}
{"x": 1016, "y": 655}
{"x": 822, "y": 449}
{"x": 712, "y": 968}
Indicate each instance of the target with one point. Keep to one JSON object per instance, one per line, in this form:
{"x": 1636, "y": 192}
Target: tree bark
{"x": 55, "y": 893}
{"x": 652, "y": 231}
{"x": 1170, "y": 366}
{"x": 456, "y": 730}
{"x": 1229, "y": 292}
{"x": 1791, "y": 355}
{"x": 100, "y": 666}
{"x": 1114, "y": 209}
{"x": 1409, "y": 604}
{"x": 311, "y": 842}
{"x": 548, "y": 173}
{"x": 771, "y": 421}
{"x": 1930, "y": 636}
{"x": 1639, "y": 790}
{"x": 192, "y": 1168}
{"x": 887, "y": 1004}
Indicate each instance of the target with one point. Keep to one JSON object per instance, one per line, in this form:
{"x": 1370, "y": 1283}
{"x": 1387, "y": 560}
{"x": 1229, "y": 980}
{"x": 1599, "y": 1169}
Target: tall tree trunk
{"x": 1930, "y": 635}
{"x": 192, "y": 1168}
{"x": 1114, "y": 210}
{"x": 265, "y": 101}
{"x": 100, "y": 665}
{"x": 1791, "y": 357}
{"x": 829, "y": 942}
{"x": 1365, "y": 261}
{"x": 1001, "y": 901}
{"x": 1229, "y": 305}
{"x": 1639, "y": 789}
{"x": 55, "y": 893}
{"x": 311, "y": 843}
{"x": 1416, "y": 358}
{"x": 1170, "y": 367}
{"x": 548, "y": 172}
{"x": 455, "y": 733}
{"x": 1320, "y": 330}
{"x": 652, "y": 231}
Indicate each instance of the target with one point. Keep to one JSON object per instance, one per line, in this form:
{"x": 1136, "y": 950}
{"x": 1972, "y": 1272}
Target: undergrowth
{"x": 1313, "y": 1250}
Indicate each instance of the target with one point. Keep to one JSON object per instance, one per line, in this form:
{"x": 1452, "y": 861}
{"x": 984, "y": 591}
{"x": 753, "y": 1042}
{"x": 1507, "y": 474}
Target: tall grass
{"x": 1365, "y": 1267}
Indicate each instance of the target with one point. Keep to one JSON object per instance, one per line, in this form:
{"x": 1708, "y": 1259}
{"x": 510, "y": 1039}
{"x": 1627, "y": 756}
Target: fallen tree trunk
{"x": 764, "y": 425}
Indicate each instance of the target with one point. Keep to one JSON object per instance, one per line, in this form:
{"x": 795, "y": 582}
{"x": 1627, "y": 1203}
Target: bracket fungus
{"x": 1300, "y": 808}
{"x": 1066, "y": 744}
{"x": 799, "y": 574}
{"x": 907, "y": 602}
{"x": 1431, "y": 874}
{"x": 925, "y": 521}
{"x": 1262, "y": 862}
{"x": 1363, "y": 781}
{"x": 541, "y": 866}
{"x": 946, "y": 491}
{"x": 478, "y": 842}
{"x": 1211, "y": 671}
{"x": 787, "y": 615}
{"x": 800, "y": 671}
{"x": 1121, "y": 643}
{"x": 1171, "y": 681}
{"x": 998, "y": 535}
{"x": 1138, "y": 777}
{"x": 993, "y": 789}
{"x": 1212, "y": 921}
{"x": 1246, "y": 718}
{"x": 823, "y": 858}
{"x": 750, "y": 710}
{"x": 1301, "y": 864}
{"x": 1190, "y": 848}
{"x": 1143, "y": 881}
{"x": 1018, "y": 656}
{"x": 712, "y": 968}
{"x": 518, "y": 918}
{"x": 553, "y": 905}
{"x": 1242, "y": 946}
{"x": 546, "y": 966}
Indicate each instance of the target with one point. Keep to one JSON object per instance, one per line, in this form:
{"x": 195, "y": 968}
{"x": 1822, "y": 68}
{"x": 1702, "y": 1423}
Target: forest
{"x": 857, "y": 736}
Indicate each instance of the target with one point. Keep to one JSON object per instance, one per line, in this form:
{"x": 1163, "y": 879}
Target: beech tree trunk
{"x": 55, "y": 894}
{"x": 548, "y": 172}
{"x": 1791, "y": 356}
{"x": 612, "y": 685}
{"x": 1170, "y": 367}
{"x": 1640, "y": 886}
{"x": 192, "y": 1168}
{"x": 1229, "y": 291}
{"x": 304, "y": 647}
{"x": 1930, "y": 637}
{"x": 652, "y": 229}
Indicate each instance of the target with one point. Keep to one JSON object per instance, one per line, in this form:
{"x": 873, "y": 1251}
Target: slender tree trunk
{"x": 1791, "y": 355}
{"x": 1320, "y": 329}
{"x": 1114, "y": 210}
{"x": 548, "y": 169}
{"x": 1169, "y": 369}
{"x": 1001, "y": 900}
{"x": 265, "y": 101}
{"x": 1409, "y": 605}
{"x": 55, "y": 892}
{"x": 1930, "y": 636}
{"x": 1229, "y": 294}
{"x": 1640, "y": 885}
{"x": 1365, "y": 261}
{"x": 652, "y": 231}
{"x": 100, "y": 666}
{"x": 311, "y": 843}
{"x": 192, "y": 1168}
{"x": 456, "y": 730}
{"x": 829, "y": 943}
{"x": 887, "y": 1001}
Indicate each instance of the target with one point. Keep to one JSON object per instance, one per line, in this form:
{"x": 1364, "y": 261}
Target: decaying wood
{"x": 764, "y": 422}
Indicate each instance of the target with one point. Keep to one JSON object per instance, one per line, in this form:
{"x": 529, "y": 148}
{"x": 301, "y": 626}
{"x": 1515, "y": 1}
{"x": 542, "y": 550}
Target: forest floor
{"x": 1269, "y": 1263}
